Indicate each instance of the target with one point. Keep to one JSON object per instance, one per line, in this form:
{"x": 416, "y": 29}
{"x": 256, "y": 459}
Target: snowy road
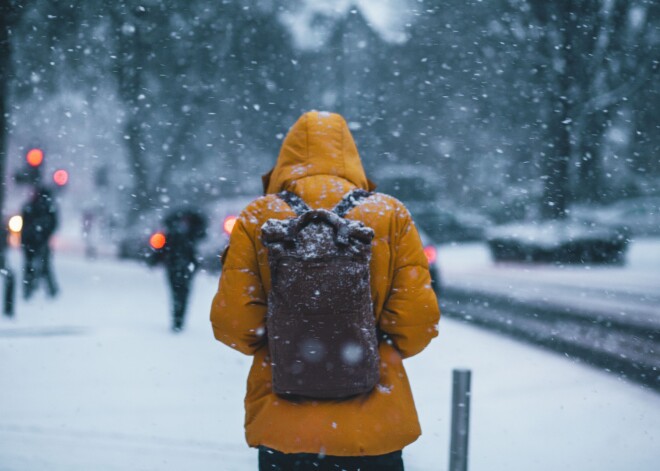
{"x": 608, "y": 316}
{"x": 95, "y": 380}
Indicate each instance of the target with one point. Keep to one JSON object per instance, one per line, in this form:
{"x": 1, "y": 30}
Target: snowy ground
{"x": 95, "y": 380}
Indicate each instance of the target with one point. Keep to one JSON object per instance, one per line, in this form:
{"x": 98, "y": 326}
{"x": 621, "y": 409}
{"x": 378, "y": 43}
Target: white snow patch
{"x": 95, "y": 380}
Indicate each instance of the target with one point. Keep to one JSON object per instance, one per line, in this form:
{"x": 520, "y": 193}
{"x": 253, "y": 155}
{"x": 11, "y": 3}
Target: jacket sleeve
{"x": 238, "y": 312}
{"x": 410, "y": 315}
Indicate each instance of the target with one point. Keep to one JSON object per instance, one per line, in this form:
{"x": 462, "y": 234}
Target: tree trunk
{"x": 6, "y": 13}
{"x": 557, "y": 184}
{"x": 141, "y": 191}
{"x": 132, "y": 60}
{"x": 556, "y": 167}
{"x": 590, "y": 173}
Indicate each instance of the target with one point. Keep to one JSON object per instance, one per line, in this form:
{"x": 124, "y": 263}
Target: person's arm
{"x": 55, "y": 219}
{"x": 238, "y": 312}
{"x": 410, "y": 315}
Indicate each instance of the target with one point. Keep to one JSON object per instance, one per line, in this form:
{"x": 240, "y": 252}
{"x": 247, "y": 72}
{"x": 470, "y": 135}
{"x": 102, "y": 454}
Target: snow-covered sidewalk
{"x": 95, "y": 380}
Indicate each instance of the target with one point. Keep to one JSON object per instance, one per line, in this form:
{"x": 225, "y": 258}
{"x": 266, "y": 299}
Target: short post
{"x": 9, "y": 294}
{"x": 6, "y": 274}
{"x": 460, "y": 420}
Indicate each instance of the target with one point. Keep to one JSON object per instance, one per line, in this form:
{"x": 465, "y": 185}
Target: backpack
{"x": 39, "y": 220}
{"x": 320, "y": 322}
{"x": 189, "y": 223}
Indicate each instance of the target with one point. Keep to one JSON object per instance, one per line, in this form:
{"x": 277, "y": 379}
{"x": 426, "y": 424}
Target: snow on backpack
{"x": 320, "y": 323}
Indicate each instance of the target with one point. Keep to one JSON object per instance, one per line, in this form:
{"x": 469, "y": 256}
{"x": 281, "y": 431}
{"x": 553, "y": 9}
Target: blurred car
{"x": 133, "y": 241}
{"x": 458, "y": 226}
{"x": 222, "y": 216}
{"x": 640, "y": 216}
{"x": 136, "y": 242}
{"x": 415, "y": 187}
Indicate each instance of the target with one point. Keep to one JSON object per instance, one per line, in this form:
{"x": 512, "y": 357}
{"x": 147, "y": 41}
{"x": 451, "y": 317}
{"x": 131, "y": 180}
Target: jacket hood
{"x": 319, "y": 143}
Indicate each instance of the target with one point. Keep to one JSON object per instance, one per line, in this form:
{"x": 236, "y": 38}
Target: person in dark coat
{"x": 40, "y": 220}
{"x": 183, "y": 230}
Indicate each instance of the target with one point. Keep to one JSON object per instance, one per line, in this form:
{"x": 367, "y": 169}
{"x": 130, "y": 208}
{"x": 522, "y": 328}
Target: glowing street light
{"x": 15, "y": 224}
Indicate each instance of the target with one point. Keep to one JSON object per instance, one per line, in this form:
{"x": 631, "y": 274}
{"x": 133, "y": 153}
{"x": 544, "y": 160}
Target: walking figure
{"x": 40, "y": 220}
{"x": 88, "y": 226}
{"x": 183, "y": 230}
{"x": 325, "y": 283}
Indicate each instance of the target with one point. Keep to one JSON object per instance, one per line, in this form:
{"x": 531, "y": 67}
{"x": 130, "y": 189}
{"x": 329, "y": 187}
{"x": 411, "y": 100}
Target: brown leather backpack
{"x": 320, "y": 322}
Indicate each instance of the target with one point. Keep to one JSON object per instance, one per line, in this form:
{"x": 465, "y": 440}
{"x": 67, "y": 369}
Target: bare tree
{"x": 9, "y": 16}
{"x": 591, "y": 62}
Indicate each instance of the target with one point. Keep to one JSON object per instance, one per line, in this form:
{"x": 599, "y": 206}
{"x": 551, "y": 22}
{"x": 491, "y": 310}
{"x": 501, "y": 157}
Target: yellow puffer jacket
{"x": 320, "y": 163}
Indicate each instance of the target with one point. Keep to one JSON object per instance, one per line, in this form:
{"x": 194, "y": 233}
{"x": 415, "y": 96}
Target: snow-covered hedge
{"x": 558, "y": 241}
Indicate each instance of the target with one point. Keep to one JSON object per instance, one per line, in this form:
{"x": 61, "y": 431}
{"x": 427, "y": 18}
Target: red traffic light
{"x": 35, "y": 157}
{"x": 431, "y": 253}
{"x": 157, "y": 240}
{"x": 61, "y": 177}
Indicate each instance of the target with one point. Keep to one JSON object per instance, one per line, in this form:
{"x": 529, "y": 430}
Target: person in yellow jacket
{"x": 319, "y": 162}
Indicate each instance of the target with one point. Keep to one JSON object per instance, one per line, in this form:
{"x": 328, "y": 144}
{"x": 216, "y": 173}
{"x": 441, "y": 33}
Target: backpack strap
{"x": 294, "y": 201}
{"x": 350, "y": 201}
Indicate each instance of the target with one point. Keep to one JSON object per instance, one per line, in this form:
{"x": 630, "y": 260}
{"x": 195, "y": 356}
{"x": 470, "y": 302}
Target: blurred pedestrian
{"x": 88, "y": 226}
{"x": 183, "y": 230}
{"x": 40, "y": 219}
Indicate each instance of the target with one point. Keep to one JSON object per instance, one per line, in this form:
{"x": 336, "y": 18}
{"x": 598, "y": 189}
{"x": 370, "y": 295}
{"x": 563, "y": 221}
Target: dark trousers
{"x": 37, "y": 266}
{"x": 272, "y": 460}
{"x": 179, "y": 279}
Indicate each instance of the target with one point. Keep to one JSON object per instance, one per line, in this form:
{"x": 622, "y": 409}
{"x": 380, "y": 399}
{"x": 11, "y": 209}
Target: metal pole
{"x": 5, "y": 272}
{"x": 8, "y": 307}
{"x": 460, "y": 420}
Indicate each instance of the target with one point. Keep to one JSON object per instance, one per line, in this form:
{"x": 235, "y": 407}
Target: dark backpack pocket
{"x": 321, "y": 328}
